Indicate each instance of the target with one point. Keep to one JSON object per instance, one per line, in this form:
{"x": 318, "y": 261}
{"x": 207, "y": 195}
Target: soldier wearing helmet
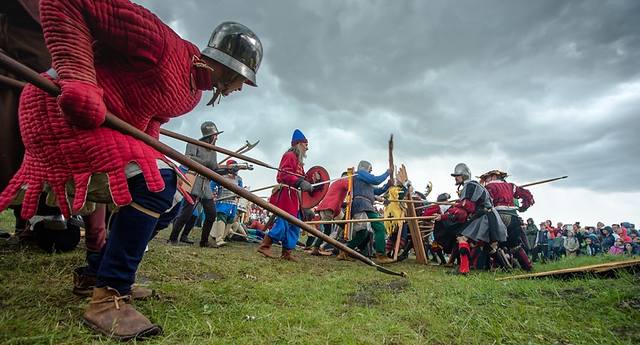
{"x": 201, "y": 192}
{"x": 472, "y": 218}
{"x": 227, "y": 205}
{"x": 117, "y": 56}
{"x": 503, "y": 194}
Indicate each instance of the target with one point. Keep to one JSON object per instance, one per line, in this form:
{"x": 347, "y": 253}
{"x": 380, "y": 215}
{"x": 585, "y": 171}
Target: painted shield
{"x": 314, "y": 175}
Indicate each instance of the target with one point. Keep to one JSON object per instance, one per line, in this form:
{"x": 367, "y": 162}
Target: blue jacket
{"x": 364, "y": 192}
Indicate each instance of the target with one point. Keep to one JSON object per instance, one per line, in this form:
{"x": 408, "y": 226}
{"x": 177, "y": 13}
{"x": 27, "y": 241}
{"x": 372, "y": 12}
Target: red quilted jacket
{"x": 335, "y": 197}
{"x": 143, "y": 69}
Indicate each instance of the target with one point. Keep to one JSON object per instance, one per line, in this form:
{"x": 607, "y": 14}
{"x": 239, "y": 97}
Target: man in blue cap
{"x": 286, "y": 197}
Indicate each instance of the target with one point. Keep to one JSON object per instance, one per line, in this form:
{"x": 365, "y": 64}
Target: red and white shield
{"x": 314, "y": 175}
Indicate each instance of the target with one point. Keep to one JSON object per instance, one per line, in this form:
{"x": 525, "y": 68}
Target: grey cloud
{"x": 448, "y": 78}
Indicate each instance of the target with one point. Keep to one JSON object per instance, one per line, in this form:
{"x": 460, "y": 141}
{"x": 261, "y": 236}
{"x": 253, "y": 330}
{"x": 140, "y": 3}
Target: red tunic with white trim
{"x": 108, "y": 54}
{"x": 503, "y": 193}
{"x": 287, "y": 198}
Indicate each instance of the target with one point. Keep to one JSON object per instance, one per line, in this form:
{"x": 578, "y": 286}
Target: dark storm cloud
{"x": 542, "y": 82}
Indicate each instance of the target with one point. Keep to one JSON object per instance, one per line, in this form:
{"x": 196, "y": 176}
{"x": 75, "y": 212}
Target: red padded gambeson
{"x": 144, "y": 70}
{"x": 287, "y": 198}
{"x": 502, "y": 193}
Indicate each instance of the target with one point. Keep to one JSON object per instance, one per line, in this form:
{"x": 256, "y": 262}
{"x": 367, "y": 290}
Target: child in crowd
{"x": 571, "y": 244}
{"x": 617, "y": 248}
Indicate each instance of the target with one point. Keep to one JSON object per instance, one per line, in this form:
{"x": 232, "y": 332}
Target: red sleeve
{"x": 526, "y": 196}
{"x": 431, "y": 210}
{"x": 460, "y": 211}
{"x": 71, "y": 27}
{"x": 289, "y": 163}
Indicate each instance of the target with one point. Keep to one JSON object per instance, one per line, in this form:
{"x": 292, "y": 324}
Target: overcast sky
{"x": 537, "y": 88}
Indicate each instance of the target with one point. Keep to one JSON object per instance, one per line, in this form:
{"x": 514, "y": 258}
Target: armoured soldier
{"x": 201, "y": 190}
{"x": 364, "y": 191}
{"x": 503, "y": 195}
{"x": 227, "y": 207}
{"x": 474, "y": 218}
{"x": 144, "y": 73}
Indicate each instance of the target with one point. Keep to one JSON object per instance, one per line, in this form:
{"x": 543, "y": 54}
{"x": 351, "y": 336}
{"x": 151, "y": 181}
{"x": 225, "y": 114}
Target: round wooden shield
{"x": 314, "y": 175}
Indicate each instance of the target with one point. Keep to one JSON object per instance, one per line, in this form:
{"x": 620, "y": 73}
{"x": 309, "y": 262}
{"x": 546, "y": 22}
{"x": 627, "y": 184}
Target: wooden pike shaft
{"x": 544, "y": 181}
{"x": 371, "y": 220}
{"x": 407, "y": 201}
{"x": 196, "y": 142}
{"x": 116, "y": 123}
{"x": 12, "y": 82}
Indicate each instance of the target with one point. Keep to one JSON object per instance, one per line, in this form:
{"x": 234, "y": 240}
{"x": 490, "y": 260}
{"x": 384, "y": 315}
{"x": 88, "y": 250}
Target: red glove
{"x": 82, "y": 103}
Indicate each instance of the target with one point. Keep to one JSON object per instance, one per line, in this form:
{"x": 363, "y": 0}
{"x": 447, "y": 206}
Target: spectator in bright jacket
{"x": 617, "y": 248}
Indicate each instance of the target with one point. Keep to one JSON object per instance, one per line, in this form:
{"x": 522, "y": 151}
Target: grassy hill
{"x": 234, "y": 296}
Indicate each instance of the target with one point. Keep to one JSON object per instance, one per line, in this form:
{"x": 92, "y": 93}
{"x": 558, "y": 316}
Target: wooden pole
{"x": 349, "y": 199}
{"x": 118, "y": 124}
{"x": 12, "y": 82}
{"x": 369, "y": 220}
{"x": 544, "y": 181}
{"x": 196, "y": 142}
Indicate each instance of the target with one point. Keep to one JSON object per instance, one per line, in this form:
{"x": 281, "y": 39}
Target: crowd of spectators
{"x": 549, "y": 242}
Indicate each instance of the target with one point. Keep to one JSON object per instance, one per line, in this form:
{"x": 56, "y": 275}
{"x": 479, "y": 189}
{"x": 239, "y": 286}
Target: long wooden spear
{"x": 544, "y": 181}
{"x": 117, "y": 124}
{"x": 197, "y": 142}
{"x": 368, "y": 220}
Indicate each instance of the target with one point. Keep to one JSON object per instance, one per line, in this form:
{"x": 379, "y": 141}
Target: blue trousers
{"x": 284, "y": 232}
{"x": 130, "y": 231}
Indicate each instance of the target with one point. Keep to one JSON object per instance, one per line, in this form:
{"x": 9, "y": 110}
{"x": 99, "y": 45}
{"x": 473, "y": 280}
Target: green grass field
{"x": 234, "y": 296}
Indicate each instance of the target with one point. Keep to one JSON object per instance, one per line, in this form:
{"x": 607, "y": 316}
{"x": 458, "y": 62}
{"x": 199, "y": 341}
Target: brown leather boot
{"x": 83, "y": 285}
{"x": 286, "y": 255}
{"x": 343, "y": 256}
{"x": 265, "y": 247}
{"x": 110, "y": 314}
{"x": 382, "y": 259}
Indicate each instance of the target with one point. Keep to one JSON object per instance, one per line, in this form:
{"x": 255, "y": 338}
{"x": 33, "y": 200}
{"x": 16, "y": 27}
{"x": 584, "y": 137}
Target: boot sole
{"x": 147, "y": 333}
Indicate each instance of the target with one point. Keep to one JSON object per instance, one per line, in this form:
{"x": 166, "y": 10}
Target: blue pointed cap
{"x": 298, "y": 137}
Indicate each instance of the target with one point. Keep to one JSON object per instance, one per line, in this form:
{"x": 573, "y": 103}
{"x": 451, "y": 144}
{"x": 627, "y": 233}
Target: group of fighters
{"x": 482, "y": 228}
{"x": 117, "y": 57}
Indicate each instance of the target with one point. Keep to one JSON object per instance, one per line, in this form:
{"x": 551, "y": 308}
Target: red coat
{"x": 108, "y": 54}
{"x": 502, "y": 193}
{"x": 431, "y": 210}
{"x": 335, "y": 197}
{"x": 287, "y": 198}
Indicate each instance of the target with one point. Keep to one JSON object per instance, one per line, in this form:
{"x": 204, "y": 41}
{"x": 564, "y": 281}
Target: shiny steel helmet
{"x": 462, "y": 169}
{"x": 209, "y": 128}
{"x": 237, "y": 47}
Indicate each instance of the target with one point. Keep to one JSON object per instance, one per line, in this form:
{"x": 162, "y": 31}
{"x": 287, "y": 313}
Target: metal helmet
{"x": 237, "y": 47}
{"x": 462, "y": 169}
{"x": 209, "y": 128}
{"x": 364, "y": 165}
